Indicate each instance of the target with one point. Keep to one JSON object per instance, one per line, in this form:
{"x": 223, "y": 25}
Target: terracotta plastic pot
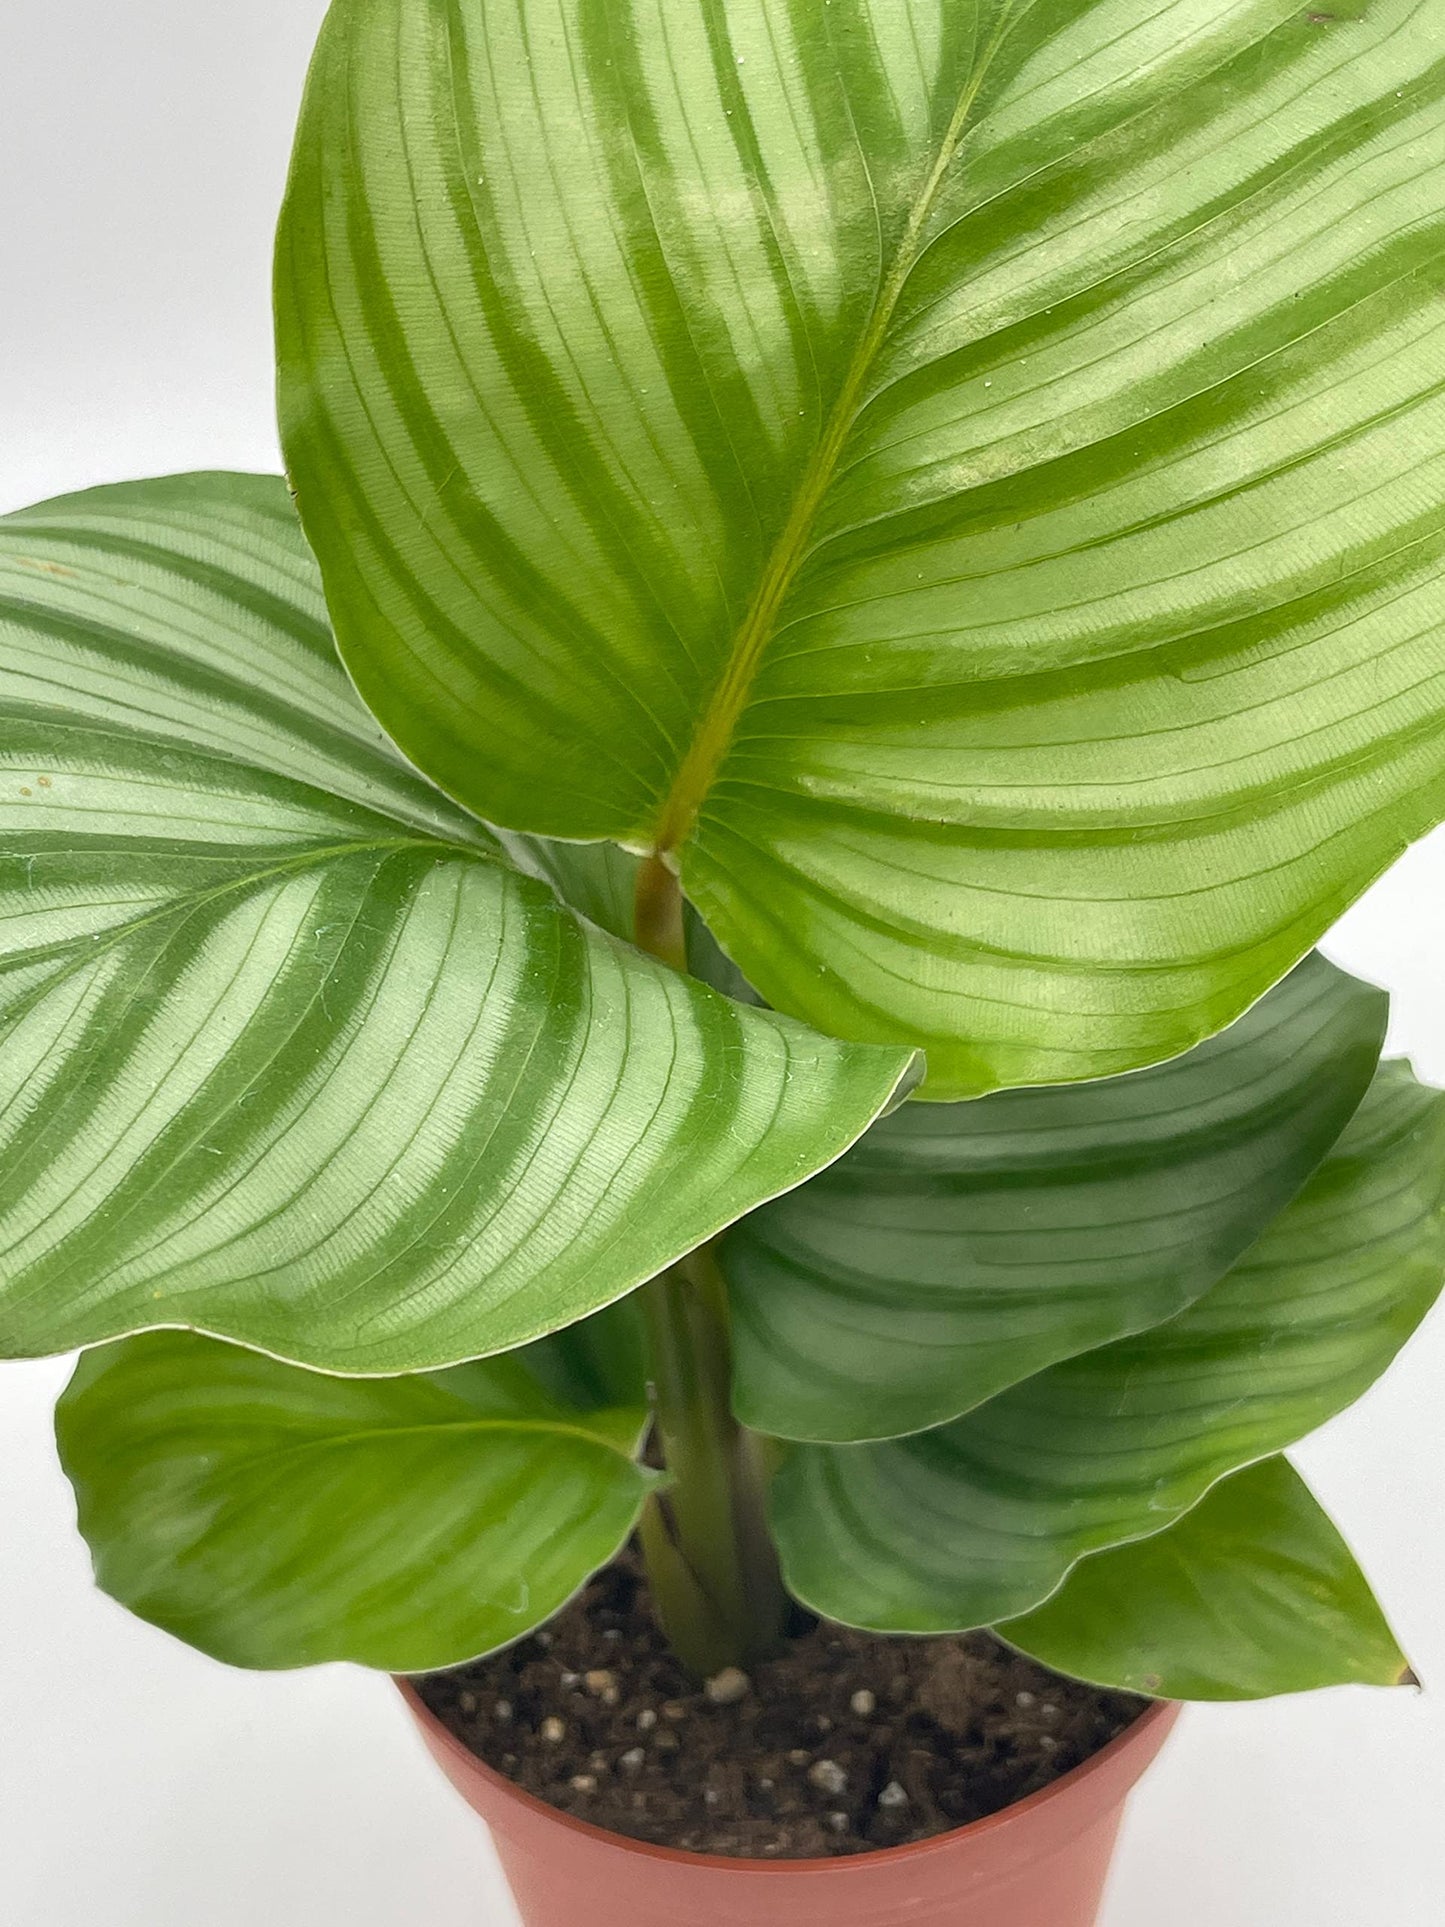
{"x": 1042, "y": 1863}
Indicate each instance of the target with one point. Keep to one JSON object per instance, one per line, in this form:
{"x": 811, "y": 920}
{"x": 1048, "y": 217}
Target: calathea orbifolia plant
{"x": 887, "y": 551}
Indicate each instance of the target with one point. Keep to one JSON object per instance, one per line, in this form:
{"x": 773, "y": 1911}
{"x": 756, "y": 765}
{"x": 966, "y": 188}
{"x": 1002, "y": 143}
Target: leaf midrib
{"x": 433, "y": 1428}
{"x": 713, "y": 738}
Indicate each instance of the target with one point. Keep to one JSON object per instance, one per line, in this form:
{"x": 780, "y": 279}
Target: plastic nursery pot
{"x": 1041, "y": 1863}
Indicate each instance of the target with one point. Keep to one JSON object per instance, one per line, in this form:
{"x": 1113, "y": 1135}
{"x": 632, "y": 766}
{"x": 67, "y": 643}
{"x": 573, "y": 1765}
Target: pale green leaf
{"x": 289, "y": 1051}
{"x": 1251, "y": 1594}
{"x": 979, "y": 1521}
{"x": 968, "y": 475}
{"x": 959, "y": 1248}
{"x": 277, "y": 1517}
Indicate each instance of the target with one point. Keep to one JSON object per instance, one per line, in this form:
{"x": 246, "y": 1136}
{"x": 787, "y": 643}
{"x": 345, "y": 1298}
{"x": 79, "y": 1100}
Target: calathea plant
{"x": 888, "y": 560}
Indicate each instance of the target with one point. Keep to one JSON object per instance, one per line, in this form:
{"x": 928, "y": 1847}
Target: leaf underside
{"x": 967, "y": 475}
{"x": 290, "y": 1049}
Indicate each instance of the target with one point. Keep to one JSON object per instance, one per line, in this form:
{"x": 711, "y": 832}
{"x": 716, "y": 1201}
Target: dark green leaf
{"x": 597, "y": 879}
{"x": 600, "y": 1361}
{"x": 278, "y": 1517}
{"x": 289, "y": 1051}
{"x": 966, "y": 474}
{"x": 1251, "y": 1594}
{"x": 960, "y": 1248}
{"x": 979, "y": 1521}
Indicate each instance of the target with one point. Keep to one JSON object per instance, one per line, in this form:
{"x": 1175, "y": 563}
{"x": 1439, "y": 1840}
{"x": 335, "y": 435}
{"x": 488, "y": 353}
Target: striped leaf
{"x": 967, "y": 475}
{"x": 960, "y": 1248}
{"x": 277, "y": 1517}
{"x": 981, "y": 1520}
{"x": 597, "y": 879}
{"x": 1251, "y": 1594}
{"x": 290, "y": 1052}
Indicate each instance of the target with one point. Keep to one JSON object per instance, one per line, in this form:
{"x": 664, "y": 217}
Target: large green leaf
{"x": 980, "y": 1520}
{"x": 289, "y": 1051}
{"x": 279, "y": 1517}
{"x": 966, "y": 474}
{"x": 1251, "y": 1594}
{"x": 960, "y": 1248}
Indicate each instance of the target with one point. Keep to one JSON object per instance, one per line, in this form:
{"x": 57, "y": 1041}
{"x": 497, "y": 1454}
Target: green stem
{"x": 711, "y": 1567}
{"x": 657, "y": 923}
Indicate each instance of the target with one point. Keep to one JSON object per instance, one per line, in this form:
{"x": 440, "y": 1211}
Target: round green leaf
{"x": 967, "y": 474}
{"x": 979, "y": 1521}
{"x": 277, "y": 1517}
{"x": 290, "y": 1052}
{"x": 959, "y": 1248}
{"x": 1252, "y": 1594}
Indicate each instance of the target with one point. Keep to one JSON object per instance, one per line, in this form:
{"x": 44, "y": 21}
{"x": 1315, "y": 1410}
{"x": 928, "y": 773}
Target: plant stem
{"x": 711, "y": 1567}
{"x": 657, "y": 923}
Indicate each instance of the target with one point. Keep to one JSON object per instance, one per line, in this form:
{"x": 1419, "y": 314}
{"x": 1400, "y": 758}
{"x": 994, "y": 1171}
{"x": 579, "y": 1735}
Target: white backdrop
{"x": 142, "y": 150}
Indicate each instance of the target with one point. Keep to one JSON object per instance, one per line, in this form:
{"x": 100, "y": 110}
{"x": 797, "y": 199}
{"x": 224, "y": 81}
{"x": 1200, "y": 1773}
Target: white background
{"x": 142, "y": 151}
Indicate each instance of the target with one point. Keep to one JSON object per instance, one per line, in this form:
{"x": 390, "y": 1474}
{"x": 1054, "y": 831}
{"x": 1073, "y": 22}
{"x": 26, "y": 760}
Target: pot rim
{"x": 1155, "y": 1722}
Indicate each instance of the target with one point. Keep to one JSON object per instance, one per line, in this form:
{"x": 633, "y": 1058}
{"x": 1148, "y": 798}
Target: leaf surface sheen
{"x": 276, "y": 1517}
{"x": 979, "y": 1521}
{"x": 966, "y": 475}
{"x": 960, "y": 1248}
{"x": 1252, "y": 1594}
{"x": 290, "y": 1050}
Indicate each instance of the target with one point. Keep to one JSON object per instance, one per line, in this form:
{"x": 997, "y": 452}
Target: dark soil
{"x": 844, "y": 1743}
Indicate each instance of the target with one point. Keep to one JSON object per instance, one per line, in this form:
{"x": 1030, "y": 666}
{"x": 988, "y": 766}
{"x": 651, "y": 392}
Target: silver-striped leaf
{"x": 967, "y": 474}
{"x": 290, "y": 1052}
{"x": 980, "y": 1521}
{"x": 959, "y": 1248}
